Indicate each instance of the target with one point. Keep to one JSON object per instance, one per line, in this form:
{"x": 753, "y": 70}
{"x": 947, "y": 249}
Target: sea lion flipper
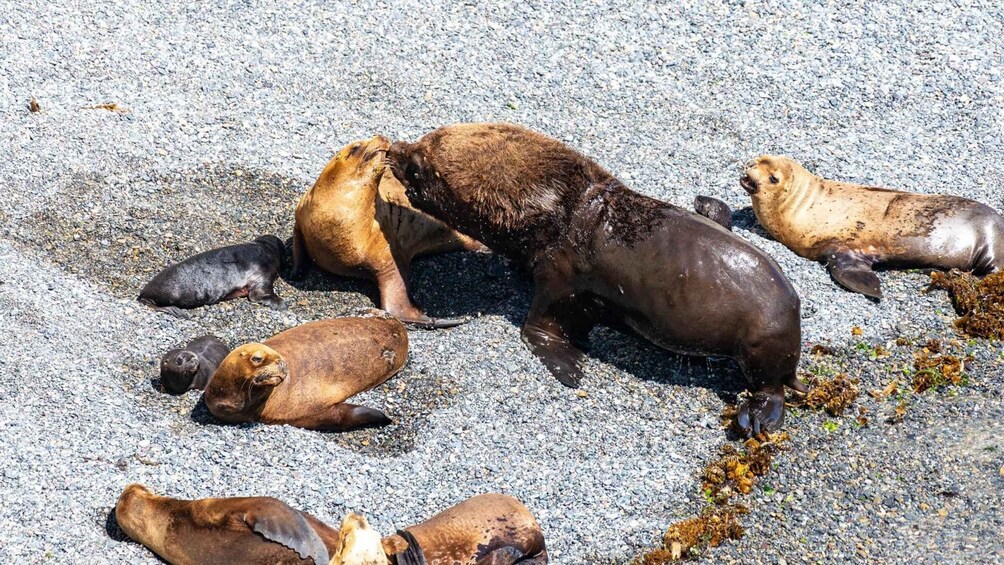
{"x": 715, "y": 210}
{"x": 561, "y": 358}
{"x": 174, "y": 311}
{"x": 854, "y": 273}
{"x": 763, "y": 412}
{"x": 288, "y": 527}
{"x": 343, "y": 417}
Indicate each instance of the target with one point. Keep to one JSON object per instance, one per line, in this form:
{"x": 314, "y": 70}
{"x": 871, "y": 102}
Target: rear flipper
{"x": 343, "y": 417}
{"x": 715, "y": 210}
{"x": 265, "y": 294}
{"x": 853, "y": 272}
{"x": 552, "y": 347}
{"x": 762, "y": 413}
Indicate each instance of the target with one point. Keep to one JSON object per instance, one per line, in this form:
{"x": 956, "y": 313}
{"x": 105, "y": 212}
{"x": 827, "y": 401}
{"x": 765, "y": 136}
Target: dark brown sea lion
{"x": 191, "y": 366}
{"x": 854, "y": 229}
{"x": 488, "y": 529}
{"x": 303, "y": 375}
{"x": 235, "y": 271}
{"x": 714, "y": 210}
{"x": 598, "y": 251}
{"x": 357, "y": 222}
{"x": 224, "y": 531}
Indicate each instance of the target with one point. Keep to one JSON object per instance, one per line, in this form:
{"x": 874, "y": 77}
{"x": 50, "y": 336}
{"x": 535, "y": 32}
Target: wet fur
{"x": 600, "y": 252}
{"x": 190, "y": 367}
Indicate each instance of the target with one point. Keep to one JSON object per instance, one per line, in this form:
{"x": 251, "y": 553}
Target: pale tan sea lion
{"x": 853, "y": 228}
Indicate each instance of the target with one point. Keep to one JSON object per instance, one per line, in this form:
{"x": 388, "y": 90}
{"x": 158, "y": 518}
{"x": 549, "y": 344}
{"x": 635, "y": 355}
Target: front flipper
{"x": 853, "y": 272}
{"x": 265, "y": 294}
{"x": 287, "y": 527}
{"x": 763, "y": 413}
{"x": 552, "y": 347}
{"x": 343, "y": 417}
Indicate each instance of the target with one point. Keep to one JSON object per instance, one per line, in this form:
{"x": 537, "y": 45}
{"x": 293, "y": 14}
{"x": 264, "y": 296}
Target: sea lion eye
{"x": 413, "y": 171}
{"x": 257, "y": 358}
{"x": 773, "y": 179}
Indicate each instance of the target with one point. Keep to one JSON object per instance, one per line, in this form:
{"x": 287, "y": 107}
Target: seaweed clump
{"x": 979, "y": 303}
{"x": 734, "y": 472}
{"x": 936, "y": 371}
{"x": 834, "y": 395}
{"x": 687, "y": 538}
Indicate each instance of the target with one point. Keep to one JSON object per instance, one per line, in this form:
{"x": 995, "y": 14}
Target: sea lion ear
{"x": 288, "y": 527}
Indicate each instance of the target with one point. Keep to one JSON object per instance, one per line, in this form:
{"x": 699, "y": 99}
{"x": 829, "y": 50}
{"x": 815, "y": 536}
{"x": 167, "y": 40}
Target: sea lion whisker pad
{"x": 855, "y": 229}
{"x": 600, "y": 252}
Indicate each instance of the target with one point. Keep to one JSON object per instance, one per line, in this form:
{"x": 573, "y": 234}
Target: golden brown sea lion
{"x": 599, "y": 252}
{"x": 854, "y": 228}
{"x": 488, "y": 529}
{"x": 303, "y": 375}
{"x": 356, "y": 221}
{"x": 224, "y": 531}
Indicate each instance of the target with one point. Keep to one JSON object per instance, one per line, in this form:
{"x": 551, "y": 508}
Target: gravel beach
{"x": 227, "y": 111}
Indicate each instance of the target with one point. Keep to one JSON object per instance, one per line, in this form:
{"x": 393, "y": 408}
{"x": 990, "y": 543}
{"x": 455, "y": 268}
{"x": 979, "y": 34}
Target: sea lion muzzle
{"x": 748, "y": 184}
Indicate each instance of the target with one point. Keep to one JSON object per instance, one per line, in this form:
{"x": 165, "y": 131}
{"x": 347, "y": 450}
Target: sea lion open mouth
{"x": 748, "y": 184}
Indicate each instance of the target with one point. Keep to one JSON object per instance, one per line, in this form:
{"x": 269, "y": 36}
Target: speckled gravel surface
{"x": 230, "y": 110}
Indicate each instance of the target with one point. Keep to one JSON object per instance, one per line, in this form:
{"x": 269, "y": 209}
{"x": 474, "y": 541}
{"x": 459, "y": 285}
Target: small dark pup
{"x": 191, "y": 366}
{"x": 714, "y": 210}
{"x": 235, "y": 271}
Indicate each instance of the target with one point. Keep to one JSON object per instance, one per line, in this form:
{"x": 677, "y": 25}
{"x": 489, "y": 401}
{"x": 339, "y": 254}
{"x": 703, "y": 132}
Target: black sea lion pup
{"x": 715, "y": 210}
{"x": 356, "y": 221}
{"x": 191, "y": 366}
{"x": 854, "y": 228}
{"x": 303, "y": 375}
{"x": 251, "y": 531}
{"x": 488, "y": 529}
{"x": 599, "y": 251}
{"x": 235, "y": 271}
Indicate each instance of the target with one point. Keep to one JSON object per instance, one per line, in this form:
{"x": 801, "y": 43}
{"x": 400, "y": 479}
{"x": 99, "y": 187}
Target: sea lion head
{"x": 363, "y": 159}
{"x": 769, "y": 178}
{"x": 423, "y": 185}
{"x": 177, "y": 370}
{"x": 259, "y": 365}
{"x": 274, "y": 245}
{"x": 237, "y": 391}
{"x": 359, "y": 544}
